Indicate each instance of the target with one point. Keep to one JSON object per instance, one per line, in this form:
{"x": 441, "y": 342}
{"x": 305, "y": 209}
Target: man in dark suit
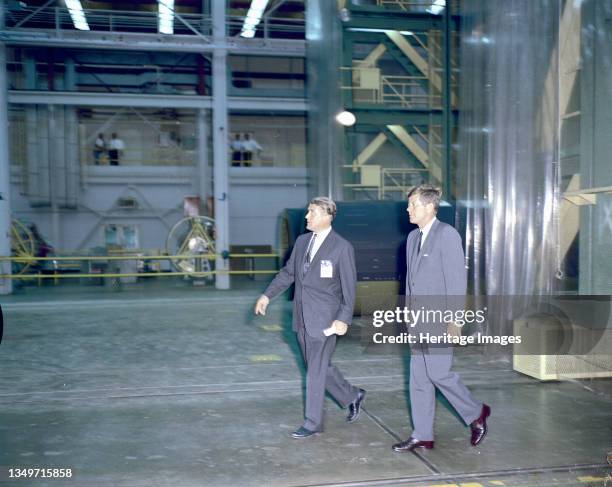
{"x": 322, "y": 266}
{"x": 436, "y": 275}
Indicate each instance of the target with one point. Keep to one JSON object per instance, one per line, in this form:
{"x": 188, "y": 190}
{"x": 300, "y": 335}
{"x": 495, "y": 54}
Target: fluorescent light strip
{"x": 437, "y": 6}
{"x": 253, "y": 17}
{"x": 165, "y": 15}
{"x": 76, "y": 14}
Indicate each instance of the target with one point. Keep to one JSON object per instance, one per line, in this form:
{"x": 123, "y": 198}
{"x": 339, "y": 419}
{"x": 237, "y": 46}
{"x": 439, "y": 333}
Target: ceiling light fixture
{"x": 76, "y": 14}
{"x": 346, "y": 118}
{"x": 165, "y": 16}
{"x": 253, "y": 17}
{"x": 437, "y": 6}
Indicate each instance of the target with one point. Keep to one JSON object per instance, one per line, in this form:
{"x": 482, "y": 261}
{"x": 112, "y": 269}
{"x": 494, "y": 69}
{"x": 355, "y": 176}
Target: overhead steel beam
{"x": 267, "y": 104}
{"x": 381, "y": 116}
{"x": 108, "y": 99}
{"x": 394, "y": 22}
{"x": 371, "y": 16}
{"x": 154, "y": 101}
{"x": 152, "y": 42}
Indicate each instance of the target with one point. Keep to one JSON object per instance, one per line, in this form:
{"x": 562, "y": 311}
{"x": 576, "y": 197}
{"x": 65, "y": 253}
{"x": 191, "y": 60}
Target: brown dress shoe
{"x": 412, "y": 443}
{"x": 479, "y": 426}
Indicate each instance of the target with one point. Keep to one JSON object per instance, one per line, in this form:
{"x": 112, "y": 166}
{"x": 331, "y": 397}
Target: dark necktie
{"x": 420, "y": 241}
{"x": 309, "y": 252}
{"x": 310, "y": 247}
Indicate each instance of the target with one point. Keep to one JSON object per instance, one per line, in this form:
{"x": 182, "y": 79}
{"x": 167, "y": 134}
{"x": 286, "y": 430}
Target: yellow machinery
{"x": 193, "y": 237}
{"x": 23, "y": 245}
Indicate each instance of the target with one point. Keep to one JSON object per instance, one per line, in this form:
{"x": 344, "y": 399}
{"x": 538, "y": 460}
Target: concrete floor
{"x": 164, "y": 384}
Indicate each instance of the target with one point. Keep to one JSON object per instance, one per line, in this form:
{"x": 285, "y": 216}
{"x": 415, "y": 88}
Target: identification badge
{"x": 327, "y": 269}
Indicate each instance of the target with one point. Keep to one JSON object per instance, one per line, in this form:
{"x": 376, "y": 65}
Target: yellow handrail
{"x": 55, "y": 275}
{"x": 132, "y": 257}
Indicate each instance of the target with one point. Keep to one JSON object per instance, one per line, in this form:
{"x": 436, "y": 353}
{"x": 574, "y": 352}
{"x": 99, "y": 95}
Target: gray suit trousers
{"x": 321, "y": 376}
{"x": 430, "y": 370}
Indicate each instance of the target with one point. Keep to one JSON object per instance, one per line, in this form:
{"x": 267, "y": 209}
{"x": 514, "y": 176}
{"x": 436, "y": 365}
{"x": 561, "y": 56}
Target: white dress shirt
{"x": 320, "y": 238}
{"x": 425, "y": 230}
{"x": 116, "y": 144}
{"x": 237, "y": 145}
{"x": 251, "y": 145}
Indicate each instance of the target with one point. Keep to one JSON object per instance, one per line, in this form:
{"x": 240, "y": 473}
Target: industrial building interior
{"x": 156, "y": 161}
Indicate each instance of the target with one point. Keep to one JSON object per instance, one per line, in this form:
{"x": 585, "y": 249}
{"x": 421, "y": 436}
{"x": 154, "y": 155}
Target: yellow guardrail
{"x": 133, "y": 257}
{"x": 131, "y": 274}
{"x": 56, "y": 274}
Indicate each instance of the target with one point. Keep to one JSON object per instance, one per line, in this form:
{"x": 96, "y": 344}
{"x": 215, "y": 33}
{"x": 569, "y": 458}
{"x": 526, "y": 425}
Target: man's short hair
{"x": 426, "y": 194}
{"x": 327, "y": 204}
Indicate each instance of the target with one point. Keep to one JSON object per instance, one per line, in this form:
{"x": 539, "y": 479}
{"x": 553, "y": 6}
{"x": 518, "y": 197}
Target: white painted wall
{"x": 257, "y": 197}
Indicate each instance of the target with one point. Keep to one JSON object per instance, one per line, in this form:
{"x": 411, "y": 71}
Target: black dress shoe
{"x": 479, "y": 426}
{"x": 412, "y": 443}
{"x": 355, "y": 407}
{"x": 302, "y": 432}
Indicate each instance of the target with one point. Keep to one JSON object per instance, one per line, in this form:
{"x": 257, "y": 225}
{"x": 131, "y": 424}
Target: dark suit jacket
{"x": 318, "y": 301}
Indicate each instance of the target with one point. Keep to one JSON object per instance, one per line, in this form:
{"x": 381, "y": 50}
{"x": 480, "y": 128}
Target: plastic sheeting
{"x": 507, "y": 169}
{"x": 533, "y": 117}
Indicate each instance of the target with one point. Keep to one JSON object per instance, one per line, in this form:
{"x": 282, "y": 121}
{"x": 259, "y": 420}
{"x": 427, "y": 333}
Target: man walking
{"x": 322, "y": 266}
{"x": 435, "y": 267}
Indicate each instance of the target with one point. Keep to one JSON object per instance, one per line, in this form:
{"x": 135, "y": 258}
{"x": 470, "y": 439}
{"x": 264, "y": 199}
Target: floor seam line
{"x": 380, "y": 423}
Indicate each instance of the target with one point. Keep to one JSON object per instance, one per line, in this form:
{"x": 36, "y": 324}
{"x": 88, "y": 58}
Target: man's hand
{"x": 261, "y": 305}
{"x": 337, "y": 327}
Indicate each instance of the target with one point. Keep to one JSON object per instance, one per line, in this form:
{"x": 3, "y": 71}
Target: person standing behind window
{"x": 99, "y": 148}
{"x": 115, "y": 149}
{"x": 249, "y": 146}
{"x": 237, "y": 148}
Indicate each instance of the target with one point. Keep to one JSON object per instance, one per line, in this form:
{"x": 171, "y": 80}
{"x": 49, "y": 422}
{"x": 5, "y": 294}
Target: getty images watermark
{"x": 433, "y": 327}
{"x": 531, "y": 325}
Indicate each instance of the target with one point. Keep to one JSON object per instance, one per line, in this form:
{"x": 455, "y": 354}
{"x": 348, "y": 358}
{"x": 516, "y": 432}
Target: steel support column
{"x": 6, "y": 285}
{"x": 31, "y": 135}
{"x": 219, "y": 139}
{"x": 204, "y": 186}
{"x": 72, "y": 157}
{"x": 54, "y": 186}
{"x": 447, "y": 109}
